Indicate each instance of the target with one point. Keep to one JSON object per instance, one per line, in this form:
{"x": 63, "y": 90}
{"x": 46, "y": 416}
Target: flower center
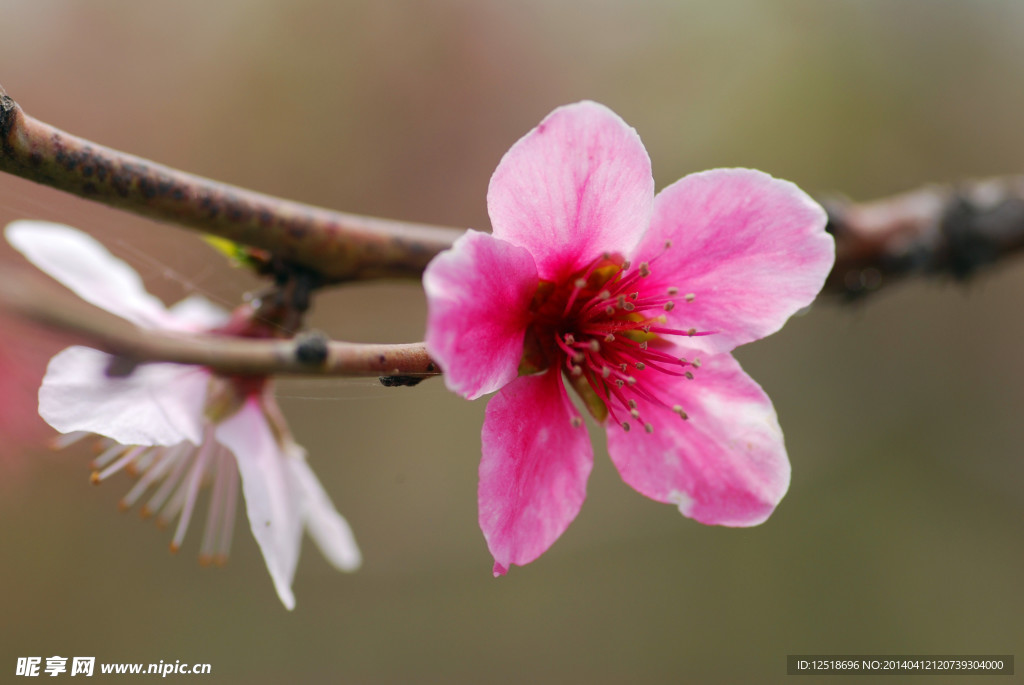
{"x": 605, "y": 326}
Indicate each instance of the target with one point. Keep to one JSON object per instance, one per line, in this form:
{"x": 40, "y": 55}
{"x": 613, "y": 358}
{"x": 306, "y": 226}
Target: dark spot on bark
{"x": 312, "y": 348}
{"x": 147, "y": 188}
{"x": 400, "y": 381}
{"x": 431, "y": 367}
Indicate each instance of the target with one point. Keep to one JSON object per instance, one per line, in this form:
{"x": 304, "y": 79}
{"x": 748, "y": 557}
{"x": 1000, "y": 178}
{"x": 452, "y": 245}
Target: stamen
{"x": 625, "y": 426}
{"x": 649, "y": 428}
{"x": 68, "y": 439}
{"x": 690, "y": 297}
{"x": 640, "y": 366}
{"x": 689, "y": 376}
{"x": 198, "y": 468}
{"x": 673, "y": 290}
{"x": 645, "y": 269}
{"x": 679, "y": 410}
{"x": 576, "y": 421}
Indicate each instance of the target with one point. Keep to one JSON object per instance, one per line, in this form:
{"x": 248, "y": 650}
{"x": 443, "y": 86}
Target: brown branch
{"x": 37, "y": 299}
{"x": 936, "y": 230}
{"x": 337, "y": 246}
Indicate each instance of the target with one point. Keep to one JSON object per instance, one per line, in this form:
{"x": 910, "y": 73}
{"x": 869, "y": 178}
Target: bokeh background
{"x": 901, "y": 532}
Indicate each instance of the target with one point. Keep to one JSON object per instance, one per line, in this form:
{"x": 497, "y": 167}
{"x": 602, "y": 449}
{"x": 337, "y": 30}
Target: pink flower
{"x": 635, "y": 301}
{"x": 177, "y": 427}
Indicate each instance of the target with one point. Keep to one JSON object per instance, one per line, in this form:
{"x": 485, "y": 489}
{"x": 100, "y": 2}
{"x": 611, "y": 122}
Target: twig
{"x": 936, "y": 230}
{"x": 337, "y": 246}
{"x": 39, "y": 300}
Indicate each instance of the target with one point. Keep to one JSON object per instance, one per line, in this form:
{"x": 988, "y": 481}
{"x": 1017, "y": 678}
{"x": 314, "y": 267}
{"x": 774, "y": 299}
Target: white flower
{"x": 179, "y": 427}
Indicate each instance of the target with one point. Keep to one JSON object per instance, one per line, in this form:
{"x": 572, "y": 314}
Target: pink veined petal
{"x": 533, "y": 475}
{"x": 329, "y": 529}
{"x": 576, "y": 186}
{"x": 272, "y": 500}
{"x": 158, "y": 404}
{"x": 725, "y": 465}
{"x": 752, "y": 250}
{"x": 80, "y": 263}
{"x": 196, "y": 314}
{"x": 478, "y": 298}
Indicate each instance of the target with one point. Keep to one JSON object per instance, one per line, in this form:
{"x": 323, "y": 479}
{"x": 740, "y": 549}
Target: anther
{"x": 645, "y": 269}
{"x": 628, "y": 306}
{"x": 580, "y": 283}
{"x": 578, "y": 357}
{"x": 696, "y": 363}
{"x": 630, "y": 380}
{"x": 670, "y": 305}
{"x": 640, "y": 366}
{"x": 609, "y": 338}
{"x": 576, "y": 421}
{"x": 668, "y": 244}
{"x": 634, "y": 295}
{"x": 605, "y": 372}
{"x": 634, "y": 413}
{"x": 679, "y": 410}
{"x": 577, "y": 371}
{"x": 690, "y": 297}
{"x": 619, "y": 382}
{"x": 625, "y": 426}
{"x": 594, "y": 345}
{"x": 632, "y": 404}
{"x": 626, "y": 264}
{"x": 643, "y": 345}
{"x": 673, "y": 290}
{"x": 623, "y": 366}
{"x": 649, "y": 428}
{"x": 689, "y": 376}
{"x": 692, "y": 331}
{"x": 569, "y": 339}
{"x": 604, "y": 294}
{"x": 609, "y": 310}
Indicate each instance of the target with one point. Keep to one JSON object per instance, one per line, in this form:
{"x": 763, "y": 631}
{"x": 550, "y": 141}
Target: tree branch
{"x": 936, "y": 230}
{"x": 37, "y": 299}
{"x": 337, "y": 246}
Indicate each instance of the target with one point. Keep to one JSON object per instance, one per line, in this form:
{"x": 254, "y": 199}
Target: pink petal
{"x": 272, "y": 498}
{"x": 478, "y": 298}
{"x": 751, "y": 249}
{"x": 533, "y": 475}
{"x": 726, "y": 464}
{"x": 80, "y": 263}
{"x": 576, "y": 186}
{"x": 158, "y": 404}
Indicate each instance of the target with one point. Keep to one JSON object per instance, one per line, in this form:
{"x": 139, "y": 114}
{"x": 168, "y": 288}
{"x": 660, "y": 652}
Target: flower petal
{"x": 196, "y": 313}
{"x": 576, "y": 186}
{"x": 533, "y": 475}
{"x": 328, "y": 528}
{"x": 478, "y": 297}
{"x": 752, "y": 249}
{"x": 158, "y": 404}
{"x": 726, "y": 464}
{"x": 272, "y": 499}
{"x": 77, "y": 261}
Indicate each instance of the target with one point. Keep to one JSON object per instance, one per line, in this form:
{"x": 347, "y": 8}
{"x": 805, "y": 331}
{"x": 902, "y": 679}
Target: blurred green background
{"x": 901, "y": 532}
